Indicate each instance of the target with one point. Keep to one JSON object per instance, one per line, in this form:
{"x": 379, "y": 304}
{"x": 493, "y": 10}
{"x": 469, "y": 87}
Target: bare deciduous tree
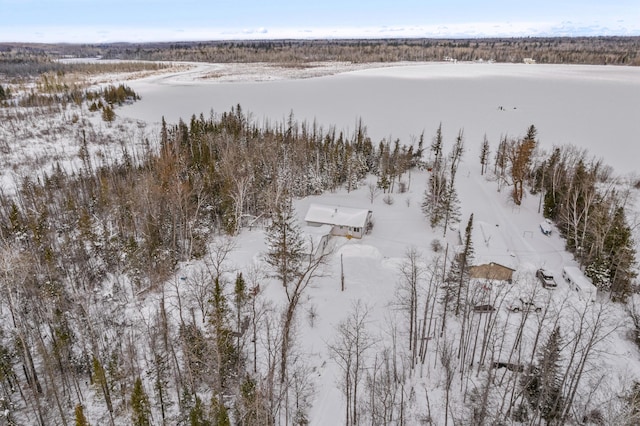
{"x": 348, "y": 350}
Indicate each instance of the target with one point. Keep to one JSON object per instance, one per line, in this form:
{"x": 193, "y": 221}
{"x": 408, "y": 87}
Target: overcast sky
{"x": 169, "y": 20}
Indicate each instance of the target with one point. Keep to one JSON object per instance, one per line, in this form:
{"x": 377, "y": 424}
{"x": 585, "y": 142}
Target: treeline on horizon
{"x": 547, "y": 50}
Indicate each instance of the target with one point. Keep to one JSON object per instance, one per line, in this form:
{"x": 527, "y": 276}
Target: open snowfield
{"x": 595, "y": 107}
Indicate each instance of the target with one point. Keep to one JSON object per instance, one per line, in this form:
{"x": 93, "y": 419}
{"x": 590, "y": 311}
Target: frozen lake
{"x": 596, "y": 107}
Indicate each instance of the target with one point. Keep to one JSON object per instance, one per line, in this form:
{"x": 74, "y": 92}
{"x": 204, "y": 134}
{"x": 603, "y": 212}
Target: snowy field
{"x": 595, "y": 107}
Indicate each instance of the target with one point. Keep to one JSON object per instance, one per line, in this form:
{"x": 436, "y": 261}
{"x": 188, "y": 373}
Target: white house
{"x": 344, "y": 221}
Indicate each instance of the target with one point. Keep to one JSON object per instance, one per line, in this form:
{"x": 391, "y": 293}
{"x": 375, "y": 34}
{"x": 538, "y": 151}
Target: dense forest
{"x": 552, "y": 50}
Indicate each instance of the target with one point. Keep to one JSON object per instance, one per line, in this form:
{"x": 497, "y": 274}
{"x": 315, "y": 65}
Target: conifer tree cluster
{"x": 440, "y": 203}
{"x": 589, "y": 209}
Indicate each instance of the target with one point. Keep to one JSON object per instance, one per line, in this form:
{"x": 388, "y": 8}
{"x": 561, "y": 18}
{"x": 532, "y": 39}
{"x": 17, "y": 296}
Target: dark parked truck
{"x": 546, "y": 278}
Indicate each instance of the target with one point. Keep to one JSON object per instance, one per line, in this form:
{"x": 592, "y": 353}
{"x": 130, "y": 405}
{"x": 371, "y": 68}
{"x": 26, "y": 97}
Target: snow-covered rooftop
{"x": 337, "y": 215}
{"x": 490, "y": 245}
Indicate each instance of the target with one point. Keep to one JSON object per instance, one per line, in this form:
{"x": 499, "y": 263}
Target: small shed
{"x": 492, "y": 271}
{"x": 344, "y": 221}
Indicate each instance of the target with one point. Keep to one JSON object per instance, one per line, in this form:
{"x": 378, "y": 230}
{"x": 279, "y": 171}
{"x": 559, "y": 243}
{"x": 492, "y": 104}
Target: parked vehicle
{"x": 546, "y": 278}
{"x": 483, "y": 308}
{"x": 509, "y": 366}
{"x": 524, "y": 306}
{"x": 545, "y": 227}
{"x": 578, "y": 282}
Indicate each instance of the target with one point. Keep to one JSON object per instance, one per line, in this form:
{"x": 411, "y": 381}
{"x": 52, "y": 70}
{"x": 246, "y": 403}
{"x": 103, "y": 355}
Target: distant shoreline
{"x": 611, "y": 50}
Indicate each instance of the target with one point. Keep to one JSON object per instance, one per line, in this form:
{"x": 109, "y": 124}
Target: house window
{"x": 356, "y": 229}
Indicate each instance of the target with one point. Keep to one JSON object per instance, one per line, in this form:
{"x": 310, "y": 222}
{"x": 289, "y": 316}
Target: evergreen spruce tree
{"x": 383, "y": 181}
{"x": 248, "y": 409}
{"x": 285, "y": 246}
{"x": 519, "y": 155}
{"x": 219, "y": 413}
{"x": 197, "y": 416}
{"x": 219, "y": 319}
{"x": 542, "y": 384}
{"x": 465, "y": 261}
{"x": 484, "y": 155}
{"x": 449, "y": 207}
{"x": 108, "y": 114}
{"x": 458, "y": 276}
{"x": 140, "y": 408}
{"x": 620, "y": 248}
{"x": 436, "y": 190}
{"x": 100, "y": 378}
{"x": 240, "y": 294}
{"x": 432, "y": 204}
{"x": 164, "y": 134}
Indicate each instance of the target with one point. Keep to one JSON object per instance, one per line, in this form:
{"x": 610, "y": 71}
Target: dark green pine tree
{"x": 383, "y": 181}
{"x": 432, "y": 205}
{"x": 197, "y": 415}
{"x": 219, "y": 413}
{"x": 552, "y": 199}
{"x": 140, "y": 408}
{"x": 249, "y": 409}
{"x": 458, "y": 276}
{"x": 542, "y": 384}
{"x": 240, "y": 295}
{"x": 484, "y": 155}
{"x": 285, "y": 246}
{"x": 619, "y": 247}
{"x": 219, "y": 319}
{"x": 108, "y": 114}
{"x": 465, "y": 259}
{"x": 450, "y": 207}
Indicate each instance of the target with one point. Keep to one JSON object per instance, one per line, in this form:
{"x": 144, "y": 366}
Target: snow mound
{"x": 359, "y": 250}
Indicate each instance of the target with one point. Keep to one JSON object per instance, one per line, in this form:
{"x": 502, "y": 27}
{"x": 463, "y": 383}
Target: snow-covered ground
{"x": 591, "y": 107}
{"x": 371, "y": 270}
